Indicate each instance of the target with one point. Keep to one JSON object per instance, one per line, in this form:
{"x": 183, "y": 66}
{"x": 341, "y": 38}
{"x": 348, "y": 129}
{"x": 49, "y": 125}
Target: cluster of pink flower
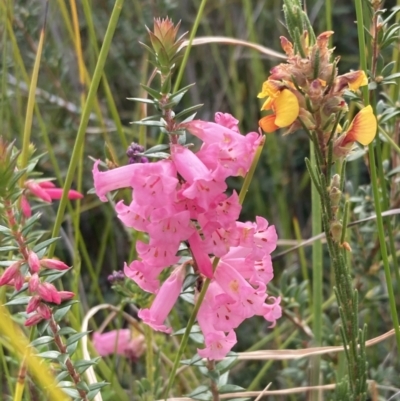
{"x": 42, "y": 293}
{"x": 183, "y": 198}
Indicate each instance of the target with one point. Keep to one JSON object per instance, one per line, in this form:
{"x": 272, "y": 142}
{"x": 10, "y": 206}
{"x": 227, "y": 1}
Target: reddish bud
{"x": 10, "y": 273}
{"x": 49, "y": 293}
{"x": 33, "y": 304}
{"x": 33, "y": 320}
{"x": 44, "y": 311}
{"x": 33, "y": 283}
{"x": 54, "y": 264}
{"x": 66, "y": 295}
{"x": 33, "y": 262}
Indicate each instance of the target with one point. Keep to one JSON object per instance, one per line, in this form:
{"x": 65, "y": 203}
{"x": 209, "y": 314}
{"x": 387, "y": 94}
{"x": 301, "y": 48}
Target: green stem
{"x": 85, "y": 116}
{"x": 317, "y": 276}
{"x": 375, "y": 185}
{"x": 189, "y": 46}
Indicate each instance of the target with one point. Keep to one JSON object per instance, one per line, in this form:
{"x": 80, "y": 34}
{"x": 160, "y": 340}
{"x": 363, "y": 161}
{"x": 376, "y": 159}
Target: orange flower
{"x": 284, "y": 105}
{"x": 362, "y": 129}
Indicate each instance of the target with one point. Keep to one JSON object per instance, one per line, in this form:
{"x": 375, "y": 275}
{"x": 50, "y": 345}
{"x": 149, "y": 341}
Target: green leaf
{"x": 188, "y": 111}
{"x": 61, "y": 312}
{"x": 99, "y": 385}
{"x": 201, "y": 393}
{"x": 4, "y": 229}
{"x": 159, "y": 155}
{"x": 61, "y": 376}
{"x": 66, "y": 330}
{"x": 149, "y": 123}
{"x": 49, "y": 355}
{"x": 41, "y": 341}
{"x": 152, "y": 92}
{"x": 72, "y": 392}
{"x": 72, "y": 348}
{"x": 82, "y": 386}
{"x": 157, "y": 148}
{"x": 44, "y": 244}
{"x": 141, "y": 100}
{"x": 18, "y": 301}
{"x": 230, "y": 388}
{"x": 82, "y": 365}
{"x": 226, "y": 363}
{"x": 8, "y": 248}
{"x": 76, "y": 337}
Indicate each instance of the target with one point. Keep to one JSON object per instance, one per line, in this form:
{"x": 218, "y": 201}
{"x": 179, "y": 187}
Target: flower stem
{"x": 375, "y": 185}
{"x": 85, "y": 117}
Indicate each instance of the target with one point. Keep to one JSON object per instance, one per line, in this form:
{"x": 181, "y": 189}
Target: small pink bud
{"x": 19, "y": 281}
{"x": 33, "y": 262}
{"x": 10, "y": 273}
{"x": 33, "y": 320}
{"x": 33, "y": 304}
{"x": 37, "y": 190}
{"x": 33, "y": 283}
{"x": 49, "y": 293}
{"x": 44, "y": 311}
{"x": 54, "y": 264}
{"x": 26, "y": 208}
{"x": 66, "y": 295}
{"x": 56, "y": 193}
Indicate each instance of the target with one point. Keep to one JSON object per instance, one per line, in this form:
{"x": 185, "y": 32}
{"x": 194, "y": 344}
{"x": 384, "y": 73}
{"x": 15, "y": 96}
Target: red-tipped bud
{"x": 33, "y": 262}
{"x": 44, "y": 311}
{"x": 66, "y": 295}
{"x": 10, "y": 273}
{"x": 34, "y": 282}
{"x": 19, "y": 281}
{"x": 33, "y": 320}
{"x": 37, "y": 190}
{"x": 49, "y": 293}
{"x": 33, "y": 304}
{"x": 54, "y": 264}
{"x": 26, "y": 208}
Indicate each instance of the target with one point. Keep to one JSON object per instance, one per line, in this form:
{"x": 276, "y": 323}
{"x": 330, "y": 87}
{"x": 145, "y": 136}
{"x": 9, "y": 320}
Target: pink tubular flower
{"x": 164, "y": 301}
{"x": 107, "y": 181}
{"x": 119, "y": 342}
{"x": 143, "y": 275}
{"x": 33, "y": 320}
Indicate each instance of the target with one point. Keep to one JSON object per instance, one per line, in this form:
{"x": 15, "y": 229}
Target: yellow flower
{"x": 284, "y": 105}
{"x": 362, "y": 129}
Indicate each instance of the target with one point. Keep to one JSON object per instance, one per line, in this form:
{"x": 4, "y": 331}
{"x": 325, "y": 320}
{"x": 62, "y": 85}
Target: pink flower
{"x": 107, "y": 181}
{"x": 134, "y": 215}
{"x": 201, "y": 258}
{"x": 155, "y": 184}
{"x": 119, "y": 342}
{"x": 218, "y": 344}
{"x": 164, "y": 301}
{"x": 33, "y": 320}
{"x": 158, "y": 253}
{"x": 273, "y": 311}
{"x": 143, "y": 275}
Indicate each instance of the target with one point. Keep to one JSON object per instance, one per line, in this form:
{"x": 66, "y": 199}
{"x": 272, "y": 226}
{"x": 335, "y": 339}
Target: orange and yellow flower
{"x": 362, "y": 129}
{"x": 283, "y": 103}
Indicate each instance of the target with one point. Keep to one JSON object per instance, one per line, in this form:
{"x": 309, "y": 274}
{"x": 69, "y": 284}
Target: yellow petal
{"x": 269, "y": 88}
{"x": 363, "y": 127}
{"x": 268, "y": 104}
{"x": 286, "y": 107}
{"x": 357, "y": 79}
{"x": 267, "y": 123}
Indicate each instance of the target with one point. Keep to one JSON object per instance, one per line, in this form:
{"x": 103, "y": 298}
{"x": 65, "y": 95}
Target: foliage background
{"x": 228, "y": 79}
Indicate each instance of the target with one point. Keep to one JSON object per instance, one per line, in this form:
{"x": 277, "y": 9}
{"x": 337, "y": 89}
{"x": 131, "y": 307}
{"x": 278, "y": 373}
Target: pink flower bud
{"x": 33, "y": 262}
{"x": 33, "y": 304}
{"x": 19, "y": 281}
{"x": 33, "y": 320}
{"x": 33, "y": 283}
{"x": 37, "y": 190}
{"x": 54, "y": 264}
{"x": 66, "y": 295}
{"x": 10, "y": 273}
{"x": 49, "y": 293}
{"x": 26, "y": 209}
{"x": 44, "y": 311}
